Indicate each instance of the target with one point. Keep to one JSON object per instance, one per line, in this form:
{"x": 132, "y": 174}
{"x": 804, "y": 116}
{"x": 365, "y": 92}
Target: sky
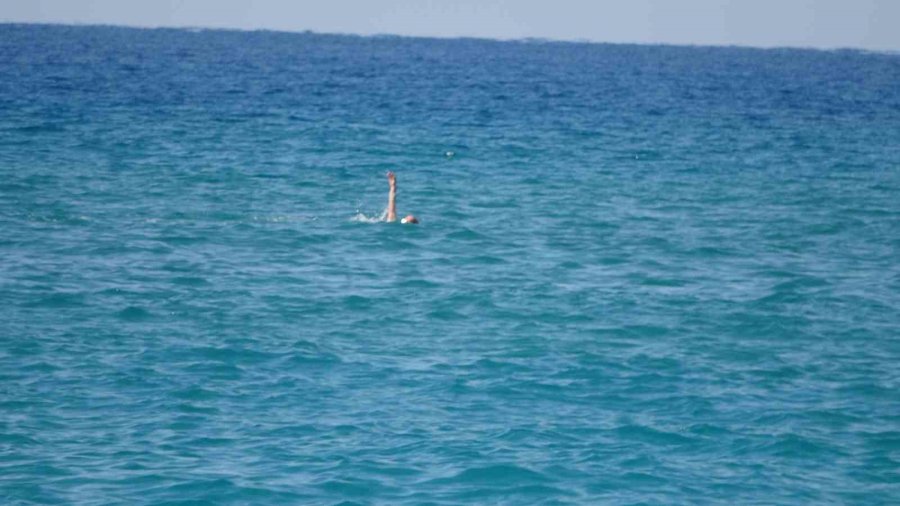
{"x": 864, "y": 24}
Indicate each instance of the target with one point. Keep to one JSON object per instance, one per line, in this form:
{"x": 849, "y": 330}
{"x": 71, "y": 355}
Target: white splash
{"x": 361, "y": 217}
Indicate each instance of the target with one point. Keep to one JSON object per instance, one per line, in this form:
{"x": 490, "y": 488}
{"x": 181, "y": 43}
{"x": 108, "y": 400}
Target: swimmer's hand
{"x": 392, "y": 179}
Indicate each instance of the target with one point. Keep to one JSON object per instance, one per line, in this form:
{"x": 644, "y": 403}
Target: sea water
{"x": 643, "y": 274}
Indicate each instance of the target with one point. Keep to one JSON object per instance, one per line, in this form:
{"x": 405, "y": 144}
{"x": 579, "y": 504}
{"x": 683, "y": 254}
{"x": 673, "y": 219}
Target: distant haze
{"x": 867, "y": 24}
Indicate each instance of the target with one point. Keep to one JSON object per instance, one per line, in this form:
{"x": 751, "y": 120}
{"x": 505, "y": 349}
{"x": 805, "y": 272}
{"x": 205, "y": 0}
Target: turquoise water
{"x": 645, "y": 275}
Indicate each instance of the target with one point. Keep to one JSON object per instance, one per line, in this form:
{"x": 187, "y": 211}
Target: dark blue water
{"x": 645, "y": 274}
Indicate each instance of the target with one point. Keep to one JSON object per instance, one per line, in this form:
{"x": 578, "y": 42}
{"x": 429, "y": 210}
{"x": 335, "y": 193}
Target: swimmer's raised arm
{"x": 392, "y": 197}
{"x": 392, "y": 202}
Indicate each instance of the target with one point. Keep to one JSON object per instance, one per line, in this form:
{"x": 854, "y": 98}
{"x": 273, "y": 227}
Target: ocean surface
{"x": 643, "y": 274}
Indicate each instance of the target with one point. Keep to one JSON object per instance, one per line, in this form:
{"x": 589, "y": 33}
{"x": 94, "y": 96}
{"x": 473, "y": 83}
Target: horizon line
{"x": 520, "y": 40}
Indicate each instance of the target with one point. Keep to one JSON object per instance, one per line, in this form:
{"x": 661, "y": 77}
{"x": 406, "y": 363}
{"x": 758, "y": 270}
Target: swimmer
{"x": 392, "y": 202}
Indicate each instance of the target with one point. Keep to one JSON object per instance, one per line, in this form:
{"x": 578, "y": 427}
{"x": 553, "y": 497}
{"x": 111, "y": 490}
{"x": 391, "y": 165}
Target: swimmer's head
{"x": 409, "y": 219}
